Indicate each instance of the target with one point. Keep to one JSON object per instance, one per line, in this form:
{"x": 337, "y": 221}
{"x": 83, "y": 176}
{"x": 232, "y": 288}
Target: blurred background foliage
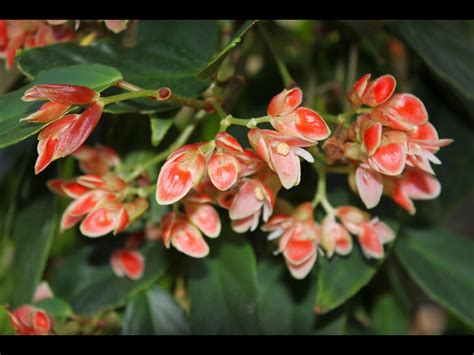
{"x": 424, "y": 286}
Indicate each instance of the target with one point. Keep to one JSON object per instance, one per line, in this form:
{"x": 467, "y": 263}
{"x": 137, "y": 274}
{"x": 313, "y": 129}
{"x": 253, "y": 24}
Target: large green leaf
{"x": 442, "y": 264}
{"x": 447, "y": 48}
{"x": 154, "y": 312}
{"x": 6, "y": 327}
{"x": 169, "y": 53}
{"x": 388, "y": 317}
{"x": 212, "y": 67}
{"x": 340, "y": 278}
{"x": 86, "y": 280}
{"x": 286, "y": 304}
{"x": 12, "y": 108}
{"x": 223, "y": 288}
{"x": 33, "y": 235}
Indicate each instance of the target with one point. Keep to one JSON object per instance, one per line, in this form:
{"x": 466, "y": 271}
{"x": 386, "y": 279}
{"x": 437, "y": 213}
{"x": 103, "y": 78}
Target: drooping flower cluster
{"x": 31, "y": 320}
{"x": 392, "y": 145}
{"x": 103, "y": 200}
{"x": 23, "y": 34}
{"x": 65, "y": 132}
{"x": 371, "y": 233}
{"x": 299, "y": 237}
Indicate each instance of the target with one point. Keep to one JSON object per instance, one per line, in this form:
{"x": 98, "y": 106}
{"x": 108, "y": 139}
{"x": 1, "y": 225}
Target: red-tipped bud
{"x": 63, "y": 94}
{"x": 285, "y": 102}
{"x": 129, "y": 263}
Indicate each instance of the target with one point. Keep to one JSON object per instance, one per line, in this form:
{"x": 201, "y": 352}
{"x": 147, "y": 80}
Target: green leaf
{"x": 441, "y": 264}
{"x": 447, "y": 49}
{"x": 171, "y": 54}
{"x": 286, "y": 304}
{"x": 6, "y": 327}
{"x": 340, "y": 278}
{"x": 33, "y": 235}
{"x": 86, "y": 280}
{"x": 12, "y": 108}
{"x": 223, "y": 288}
{"x": 154, "y": 312}
{"x": 388, "y": 317}
{"x": 333, "y": 323}
{"x": 212, "y": 67}
{"x": 159, "y": 127}
{"x": 56, "y": 307}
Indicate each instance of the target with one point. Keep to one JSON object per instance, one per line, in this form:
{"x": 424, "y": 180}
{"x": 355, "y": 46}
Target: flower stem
{"x": 128, "y": 96}
{"x": 321, "y": 196}
{"x": 137, "y": 92}
{"x": 288, "y": 81}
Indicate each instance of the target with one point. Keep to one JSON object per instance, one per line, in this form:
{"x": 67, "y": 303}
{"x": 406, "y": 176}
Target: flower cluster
{"x": 103, "y": 200}
{"x": 19, "y": 34}
{"x": 31, "y": 320}
{"x": 65, "y": 132}
{"x": 391, "y": 146}
{"x": 299, "y": 237}
{"x": 387, "y": 149}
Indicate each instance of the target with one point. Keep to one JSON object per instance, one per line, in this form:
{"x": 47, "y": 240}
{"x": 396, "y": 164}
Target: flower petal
{"x": 174, "y": 182}
{"x": 370, "y": 242}
{"x": 41, "y": 322}
{"x": 298, "y": 251}
{"x": 122, "y": 221}
{"x": 48, "y": 112}
{"x": 355, "y": 94}
{"x": 351, "y": 217}
{"x": 402, "y": 199}
{"x": 287, "y": 166}
{"x": 384, "y": 232}
{"x": 419, "y": 185}
{"x": 246, "y": 224}
{"x": 223, "y": 170}
{"x": 333, "y": 233}
{"x": 402, "y": 111}
{"x": 311, "y": 125}
{"x": 371, "y": 136}
{"x": 63, "y": 94}
{"x": 285, "y": 102}
{"x": 369, "y": 185}
{"x": 188, "y": 240}
{"x": 128, "y": 263}
{"x": 74, "y": 190}
{"x": 46, "y": 150}
{"x": 68, "y": 221}
{"x": 300, "y": 271}
{"x": 389, "y": 159}
{"x": 228, "y": 143}
{"x": 205, "y": 217}
{"x": 247, "y": 201}
{"x": 78, "y": 132}
{"x": 98, "y": 223}
{"x": 379, "y": 90}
